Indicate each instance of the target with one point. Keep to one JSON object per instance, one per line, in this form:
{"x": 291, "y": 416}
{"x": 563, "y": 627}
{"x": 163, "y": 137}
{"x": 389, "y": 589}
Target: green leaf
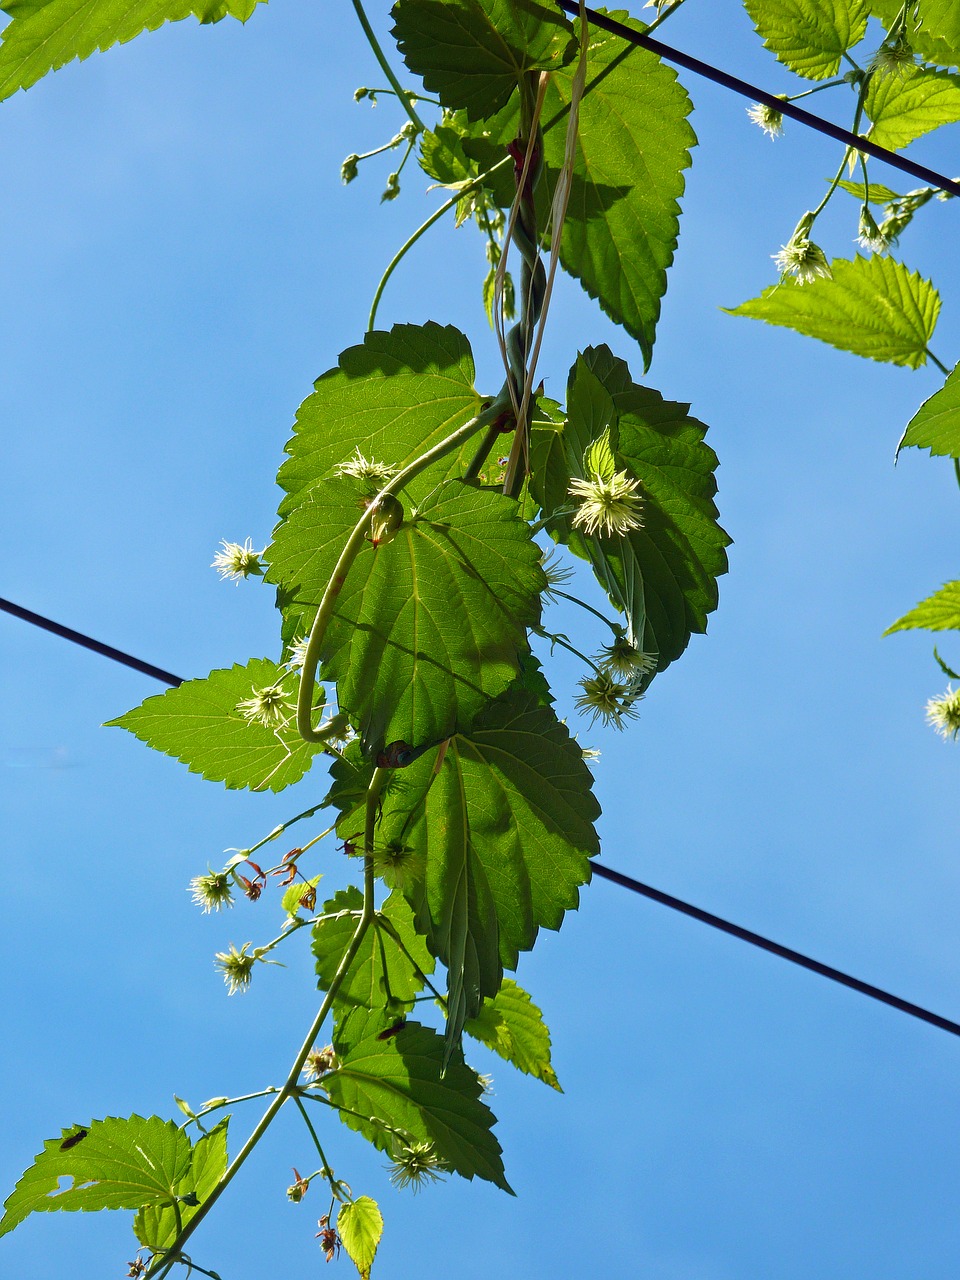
{"x": 473, "y": 53}
{"x": 290, "y": 902}
{"x": 382, "y": 972}
{"x": 427, "y": 627}
{"x": 809, "y": 36}
{"x": 42, "y": 38}
{"x": 392, "y": 1090}
{"x": 936, "y": 424}
{"x": 112, "y": 1164}
{"x": 622, "y": 222}
{"x": 664, "y": 574}
{"x": 505, "y": 822}
{"x": 904, "y": 107}
{"x": 511, "y": 1024}
{"x": 156, "y": 1224}
{"x": 875, "y": 193}
{"x": 873, "y": 307}
{"x": 199, "y": 724}
{"x": 360, "y": 1226}
{"x": 938, "y": 37}
{"x": 939, "y": 612}
{"x": 393, "y": 397}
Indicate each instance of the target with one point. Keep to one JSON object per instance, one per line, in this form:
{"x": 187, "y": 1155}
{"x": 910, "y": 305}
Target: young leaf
{"x": 44, "y": 37}
{"x": 392, "y": 1091}
{"x": 292, "y": 895}
{"x": 360, "y": 1226}
{"x": 199, "y": 723}
{"x": 876, "y": 193}
{"x": 936, "y": 424}
{"x": 473, "y": 53}
{"x": 428, "y": 626}
{"x": 873, "y": 307}
{"x": 511, "y": 1024}
{"x": 392, "y": 398}
{"x": 939, "y": 612}
{"x": 904, "y": 107}
{"x": 622, "y": 221}
{"x": 937, "y": 37}
{"x": 155, "y": 1225}
{"x": 809, "y": 36}
{"x": 113, "y": 1164}
{"x": 662, "y": 574}
{"x": 382, "y": 971}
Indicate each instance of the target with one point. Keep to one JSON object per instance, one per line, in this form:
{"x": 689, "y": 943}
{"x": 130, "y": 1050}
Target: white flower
{"x": 236, "y": 967}
{"x": 554, "y": 570}
{"x": 212, "y": 891}
{"x": 235, "y": 561}
{"x": 606, "y": 700}
{"x": 893, "y": 59}
{"x": 298, "y": 653}
{"x": 369, "y": 469}
{"x": 768, "y": 118}
{"x": 415, "y": 1164}
{"x": 269, "y": 707}
{"x": 944, "y": 714}
{"x": 869, "y": 235}
{"x": 607, "y": 506}
{"x": 625, "y": 660}
{"x": 803, "y": 259}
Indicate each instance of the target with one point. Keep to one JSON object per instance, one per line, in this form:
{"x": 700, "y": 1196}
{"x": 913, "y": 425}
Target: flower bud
{"x": 348, "y": 170}
{"x": 386, "y": 519}
{"x": 392, "y": 189}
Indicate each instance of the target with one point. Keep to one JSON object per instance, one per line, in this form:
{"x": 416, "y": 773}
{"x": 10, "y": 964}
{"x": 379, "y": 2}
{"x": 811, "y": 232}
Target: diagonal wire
{"x": 605, "y": 873}
{"x": 755, "y": 94}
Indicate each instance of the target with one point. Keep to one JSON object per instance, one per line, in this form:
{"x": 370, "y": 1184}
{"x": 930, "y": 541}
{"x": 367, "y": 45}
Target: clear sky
{"x": 181, "y": 262}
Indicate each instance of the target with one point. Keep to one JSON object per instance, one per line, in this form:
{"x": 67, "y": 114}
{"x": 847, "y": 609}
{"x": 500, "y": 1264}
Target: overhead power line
{"x": 605, "y": 873}
{"x": 755, "y": 94}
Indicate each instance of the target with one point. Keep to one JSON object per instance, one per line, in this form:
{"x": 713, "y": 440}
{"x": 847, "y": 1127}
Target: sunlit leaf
{"x": 511, "y": 1025}
{"x": 936, "y": 424}
{"x": 809, "y": 36}
{"x": 360, "y": 1227}
{"x": 874, "y": 307}
{"x": 44, "y": 37}
{"x": 199, "y": 723}
{"x": 939, "y": 612}
{"x": 905, "y": 107}
{"x": 937, "y": 39}
{"x": 156, "y": 1224}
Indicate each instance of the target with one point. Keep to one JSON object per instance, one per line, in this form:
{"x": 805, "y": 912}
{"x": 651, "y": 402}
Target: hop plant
{"x": 606, "y": 700}
{"x": 415, "y": 1164}
{"x": 943, "y": 714}
{"x": 235, "y": 561}
{"x": 236, "y": 967}
{"x": 607, "y": 506}
{"x": 270, "y": 707}
{"x": 802, "y": 258}
{"x": 212, "y": 892}
{"x": 769, "y": 119}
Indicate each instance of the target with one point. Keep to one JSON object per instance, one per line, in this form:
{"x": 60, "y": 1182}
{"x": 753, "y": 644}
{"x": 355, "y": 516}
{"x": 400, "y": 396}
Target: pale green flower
{"x": 369, "y": 469}
{"x": 236, "y": 967}
{"x": 212, "y": 891}
{"x": 625, "y": 660}
{"x": 894, "y": 58}
{"x": 234, "y": 561}
{"x": 768, "y": 118}
{"x": 270, "y": 707}
{"x": 944, "y": 714}
{"x": 802, "y": 258}
{"x": 606, "y": 700}
{"x": 415, "y": 1164}
{"x": 611, "y": 507}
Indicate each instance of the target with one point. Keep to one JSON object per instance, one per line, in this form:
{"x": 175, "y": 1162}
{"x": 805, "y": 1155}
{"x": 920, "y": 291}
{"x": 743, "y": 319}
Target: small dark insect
{"x": 72, "y": 1141}
{"x": 389, "y": 1032}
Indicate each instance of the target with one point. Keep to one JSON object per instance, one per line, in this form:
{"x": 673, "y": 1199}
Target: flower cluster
{"x": 607, "y": 506}
{"x": 270, "y": 707}
{"x": 236, "y": 967}
{"x": 234, "y": 561}
{"x": 769, "y": 119}
{"x": 213, "y": 891}
{"x": 415, "y": 1164}
{"x": 802, "y": 258}
{"x": 625, "y": 660}
{"x": 943, "y": 714}
{"x": 606, "y": 699}
{"x": 369, "y": 469}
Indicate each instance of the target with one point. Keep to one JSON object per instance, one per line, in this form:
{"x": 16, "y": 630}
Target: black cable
{"x": 606, "y": 873}
{"x": 785, "y": 953}
{"x": 929, "y": 176}
{"x": 77, "y": 637}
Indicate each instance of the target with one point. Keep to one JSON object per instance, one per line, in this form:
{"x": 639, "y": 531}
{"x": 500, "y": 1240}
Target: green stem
{"x": 939, "y": 363}
{"x": 565, "y": 644}
{"x": 289, "y": 1087}
{"x": 956, "y": 470}
{"x": 662, "y": 17}
{"x": 231, "y": 1102}
{"x": 406, "y": 94}
{"x": 350, "y": 552}
{"x": 855, "y": 128}
{"x": 404, "y": 250}
{"x": 385, "y": 66}
{"x": 830, "y": 84}
{"x": 614, "y": 627}
{"x": 278, "y": 831}
{"x": 387, "y": 926}
{"x": 326, "y": 1170}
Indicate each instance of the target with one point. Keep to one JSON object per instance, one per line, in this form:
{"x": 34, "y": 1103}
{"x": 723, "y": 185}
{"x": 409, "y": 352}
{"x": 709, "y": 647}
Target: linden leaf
{"x": 936, "y": 424}
{"x": 44, "y": 37}
{"x": 874, "y": 307}
{"x": 200, "y": 724}
{"x": 511, "y": 1025}
{"x": 809, "y": 36}
{"x": 113, "y": 1164}
{"x": 394, "y": 1091}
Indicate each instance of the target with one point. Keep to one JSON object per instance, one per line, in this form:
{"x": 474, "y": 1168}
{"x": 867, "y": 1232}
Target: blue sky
{"x": 182, "y": 261}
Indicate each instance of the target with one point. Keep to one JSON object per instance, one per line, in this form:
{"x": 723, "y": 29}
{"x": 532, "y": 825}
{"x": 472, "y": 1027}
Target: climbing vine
{"x": 425, "y": 527}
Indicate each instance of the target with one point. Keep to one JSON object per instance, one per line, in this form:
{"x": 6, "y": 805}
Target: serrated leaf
{"x": 428, "y": 626}
{"x": 939, "y": 612}
{"x": 622, "y": 222}
{"x": 395, "y": 1087}
{"x": 113, "y": 1164}
{"x": 393, "y": 397}
{"x": 199, "y": 724}
{"x": 875, "y": 192}
{"x": 809, "y": 36}
{"x": 663, "y": 575}
{"x": 381, "y": 971}
{"x": 43, "y": 38}
{"x": 874, "y": 307}
{"x": 938, "y": 37}
{"x": 155, "y": 1225}
{"x": 936, "y": 424}
{"x": 511, "y": 1024}
{"x": 905, "y": 107}
{"x": 473, "y": 53}
{"x": 360, "y": 1226}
